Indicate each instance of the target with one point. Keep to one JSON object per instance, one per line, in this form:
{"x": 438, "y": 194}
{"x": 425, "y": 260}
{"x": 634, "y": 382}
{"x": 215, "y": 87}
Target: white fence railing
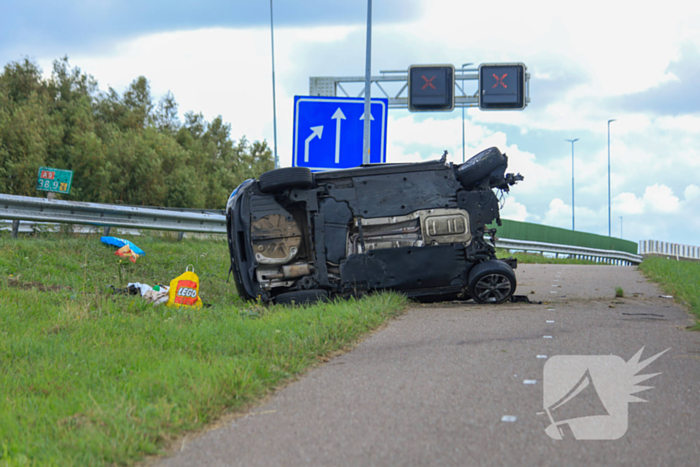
{"x": 656, "y": 247}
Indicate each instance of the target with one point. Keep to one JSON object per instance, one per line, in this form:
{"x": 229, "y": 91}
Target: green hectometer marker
{"x": 56, "y": 180}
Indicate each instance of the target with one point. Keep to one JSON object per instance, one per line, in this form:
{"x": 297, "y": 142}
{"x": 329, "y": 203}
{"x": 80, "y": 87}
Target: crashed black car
{"x": 418, "y": 228}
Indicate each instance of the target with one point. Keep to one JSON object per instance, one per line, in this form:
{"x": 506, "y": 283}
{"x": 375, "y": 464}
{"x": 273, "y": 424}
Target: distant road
{"x": 434, "y": 386}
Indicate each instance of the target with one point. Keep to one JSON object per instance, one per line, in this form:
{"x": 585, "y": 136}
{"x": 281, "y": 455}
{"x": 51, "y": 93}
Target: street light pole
{"x": 368, "y": 95}
{"x": 463, "y": 153}
{"x": 274, "y": 103}
{"x": 609, "y": 223}
{"x": 572, "y": 141}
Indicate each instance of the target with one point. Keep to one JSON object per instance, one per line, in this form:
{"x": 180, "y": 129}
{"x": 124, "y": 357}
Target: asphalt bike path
{"x": 464, "y": 384}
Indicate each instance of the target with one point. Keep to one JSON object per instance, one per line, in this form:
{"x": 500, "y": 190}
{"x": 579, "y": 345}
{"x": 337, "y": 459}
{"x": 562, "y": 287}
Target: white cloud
{"x": 691, "y": 193}
{"x": 514, "y": 210}
{"x": 627, "y": 204}
{"x": 660, "y": 199}
{"x": 659, "y": 214}
{"x": 558, "y": 215}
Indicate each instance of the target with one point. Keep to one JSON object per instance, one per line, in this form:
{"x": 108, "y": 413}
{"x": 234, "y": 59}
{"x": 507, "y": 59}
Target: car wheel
{"x": 491, "y": 282}
{"x": 279, "y": 180}
{"x": 302, "y": 297}
{"x": 479, "y": 167}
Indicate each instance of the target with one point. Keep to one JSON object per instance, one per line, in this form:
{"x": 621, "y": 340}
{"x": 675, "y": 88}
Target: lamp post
{"x": 368, "y": 94}
{"x": 609, "y": 227}
{"x": 572, "y": 141}
{"x": 274, "y": 103}
{"x": 465, "y": 95}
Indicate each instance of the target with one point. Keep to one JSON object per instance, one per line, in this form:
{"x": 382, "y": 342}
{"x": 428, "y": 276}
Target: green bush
{"x": 122, "y": 148}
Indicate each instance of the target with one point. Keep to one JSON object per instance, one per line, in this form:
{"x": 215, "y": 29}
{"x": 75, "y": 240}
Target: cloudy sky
{"x": 589, "y": 62}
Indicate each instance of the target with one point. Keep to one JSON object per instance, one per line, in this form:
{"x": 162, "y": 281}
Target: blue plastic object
{"x": 120, "y": 242}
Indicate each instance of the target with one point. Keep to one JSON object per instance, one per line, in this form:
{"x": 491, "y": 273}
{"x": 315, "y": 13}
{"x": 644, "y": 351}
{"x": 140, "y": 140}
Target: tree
{"x": 165, "y": 116}
{"x": 121, "y": 148}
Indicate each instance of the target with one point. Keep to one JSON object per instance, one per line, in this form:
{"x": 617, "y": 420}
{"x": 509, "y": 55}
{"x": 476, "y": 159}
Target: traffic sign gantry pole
{"x": 368, "y": 83}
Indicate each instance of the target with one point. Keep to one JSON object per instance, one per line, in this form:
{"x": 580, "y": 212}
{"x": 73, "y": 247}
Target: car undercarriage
{"x": 419, "y": 229}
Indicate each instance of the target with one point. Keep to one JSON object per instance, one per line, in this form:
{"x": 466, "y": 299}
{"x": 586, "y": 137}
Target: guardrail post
{"x": 180, "y": 236}
{"x": 15, "y": 228}
{"x": 106, "y": 230}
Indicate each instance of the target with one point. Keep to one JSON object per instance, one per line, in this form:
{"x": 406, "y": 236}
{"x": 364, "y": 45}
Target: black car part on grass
{"x": 298, "y": 237}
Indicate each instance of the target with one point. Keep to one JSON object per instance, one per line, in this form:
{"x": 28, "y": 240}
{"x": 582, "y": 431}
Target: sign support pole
{"x": 368, "y": 83}
{"x": 274, "y": 100}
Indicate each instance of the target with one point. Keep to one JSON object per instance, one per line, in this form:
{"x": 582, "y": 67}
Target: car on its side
{"x": 417, "y": 228}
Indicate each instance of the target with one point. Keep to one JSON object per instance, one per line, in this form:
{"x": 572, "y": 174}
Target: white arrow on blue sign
{"x": 328, "y": 131}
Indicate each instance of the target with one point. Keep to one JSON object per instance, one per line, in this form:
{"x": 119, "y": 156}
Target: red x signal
{"x": 428, "y": 82}
{"x": 500, "y": 80}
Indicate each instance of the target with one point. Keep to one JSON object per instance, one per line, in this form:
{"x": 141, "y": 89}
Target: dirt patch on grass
{"x": 37, "y": 285}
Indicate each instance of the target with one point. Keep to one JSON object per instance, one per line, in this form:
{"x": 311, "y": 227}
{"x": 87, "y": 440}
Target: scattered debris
{"x": 120, "y": 242}
{"x": 157, "y": 294}
{"x": 125, "y": 252}
{"x": 523, "y": 299}
{"x": 644, "y": 314}
{"x": 184, "y": 289}
{"x": 666, "y": 296}
{"x": 509, "y": 418}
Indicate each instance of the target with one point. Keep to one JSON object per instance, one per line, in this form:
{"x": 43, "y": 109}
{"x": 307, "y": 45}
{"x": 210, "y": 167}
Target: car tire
{"x": 302, "y": 297}
{"x": 479, "y": 167}
{"x": 491, "y": 282}
{"x": 276, "y": 181}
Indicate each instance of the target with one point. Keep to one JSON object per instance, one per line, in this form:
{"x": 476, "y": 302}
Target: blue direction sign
{"x": 328, "y": 131}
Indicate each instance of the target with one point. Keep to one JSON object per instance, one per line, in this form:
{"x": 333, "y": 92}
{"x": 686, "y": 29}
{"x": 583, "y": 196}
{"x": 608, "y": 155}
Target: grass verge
{"x": 538, "y": 258}
{"x": 90, "y": 378}
{"x": 678, "y": 278}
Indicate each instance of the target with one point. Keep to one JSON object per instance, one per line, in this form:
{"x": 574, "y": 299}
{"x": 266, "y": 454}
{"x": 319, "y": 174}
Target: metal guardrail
{"x": 31, "y": 227}
{"x": 673, "y": 250}
{"x": 109, "y": 215}
{"x": 578, "y": 252}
